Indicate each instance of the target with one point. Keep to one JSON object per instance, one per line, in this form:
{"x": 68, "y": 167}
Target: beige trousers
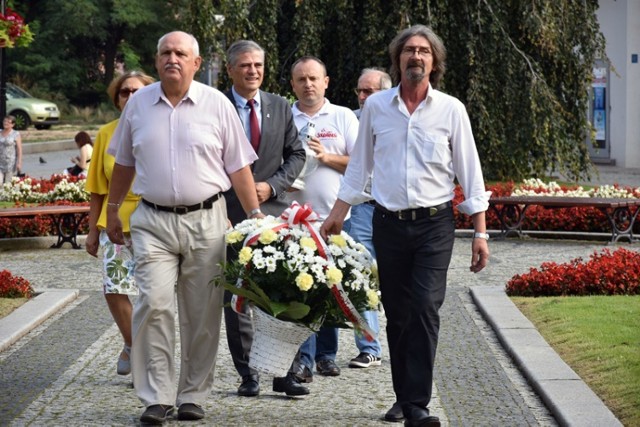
{"x": 176, "y": 252}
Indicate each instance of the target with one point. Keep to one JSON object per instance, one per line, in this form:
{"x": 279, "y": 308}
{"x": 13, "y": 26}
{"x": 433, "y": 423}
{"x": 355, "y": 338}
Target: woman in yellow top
{"x": 118, "y": 266}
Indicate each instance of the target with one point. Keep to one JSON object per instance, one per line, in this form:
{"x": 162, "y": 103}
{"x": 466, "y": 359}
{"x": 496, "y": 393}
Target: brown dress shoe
{"x": 156, "y": 414}
{"x": 190, "y": 412}
{"x": 328, "y": 368}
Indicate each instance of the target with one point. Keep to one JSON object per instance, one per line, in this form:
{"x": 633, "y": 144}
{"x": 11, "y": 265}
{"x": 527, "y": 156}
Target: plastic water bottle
{"x": 305, "y": 135}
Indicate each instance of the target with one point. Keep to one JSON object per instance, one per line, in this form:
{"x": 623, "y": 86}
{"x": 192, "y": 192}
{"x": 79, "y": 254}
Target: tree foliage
{"x": 79, "y": 44}
{"x": 522, "y": 67}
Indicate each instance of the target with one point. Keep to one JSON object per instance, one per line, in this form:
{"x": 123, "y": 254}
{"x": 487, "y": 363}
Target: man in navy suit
{"x": 274, "y": 135}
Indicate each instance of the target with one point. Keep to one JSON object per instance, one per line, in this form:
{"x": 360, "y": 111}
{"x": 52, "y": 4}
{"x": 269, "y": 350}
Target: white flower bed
{"x": 536, "y": 187}
{"x": 27, "y": 190}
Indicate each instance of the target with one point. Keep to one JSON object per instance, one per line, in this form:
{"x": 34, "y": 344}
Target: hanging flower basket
{"x": 13, "y": 31}
{"x": 275, "y": 343}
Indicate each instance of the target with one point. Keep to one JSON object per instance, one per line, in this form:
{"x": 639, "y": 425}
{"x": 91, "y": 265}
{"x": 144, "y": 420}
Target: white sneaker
{"x": 365, "y": 360}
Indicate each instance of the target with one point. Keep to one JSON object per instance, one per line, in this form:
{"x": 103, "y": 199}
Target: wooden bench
{"x": 67, "y": 219}
{"x": 621, "y": 213}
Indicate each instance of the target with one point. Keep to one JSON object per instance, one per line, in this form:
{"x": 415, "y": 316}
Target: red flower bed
{"x": 41, "y": 225}
{"x": 606, "y": 273}
{"x": 14, "y": 286}
{"x": 539, "y": 218}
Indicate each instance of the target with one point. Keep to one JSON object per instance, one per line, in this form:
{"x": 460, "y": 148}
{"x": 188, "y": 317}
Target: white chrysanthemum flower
{"x": 271, "y": 264}
{"x": 259, "y": 263}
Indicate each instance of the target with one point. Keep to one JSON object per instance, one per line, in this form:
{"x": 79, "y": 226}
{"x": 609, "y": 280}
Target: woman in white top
{"x": 81, "y": 161}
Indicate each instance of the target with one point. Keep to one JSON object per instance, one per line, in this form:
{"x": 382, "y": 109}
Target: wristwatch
{"x": 484, "y": 236}
{"x": 254, "y": 212}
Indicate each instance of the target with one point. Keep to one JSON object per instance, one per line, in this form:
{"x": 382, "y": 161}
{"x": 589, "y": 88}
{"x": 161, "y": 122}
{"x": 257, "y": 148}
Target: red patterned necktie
{"x": 254, "y": 126}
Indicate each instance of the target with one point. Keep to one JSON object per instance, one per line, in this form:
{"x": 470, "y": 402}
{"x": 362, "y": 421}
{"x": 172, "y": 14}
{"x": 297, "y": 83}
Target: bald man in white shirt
{"x": 185, "y": 144}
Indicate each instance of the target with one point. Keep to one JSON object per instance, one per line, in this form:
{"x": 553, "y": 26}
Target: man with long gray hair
{"x": 429, "y": 133}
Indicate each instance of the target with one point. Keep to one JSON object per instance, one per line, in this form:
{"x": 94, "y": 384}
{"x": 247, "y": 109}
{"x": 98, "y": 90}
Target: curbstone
{"x": 569, "y": 398}
{"x": 32, "y": 313}
{"x": 48, "y": 146}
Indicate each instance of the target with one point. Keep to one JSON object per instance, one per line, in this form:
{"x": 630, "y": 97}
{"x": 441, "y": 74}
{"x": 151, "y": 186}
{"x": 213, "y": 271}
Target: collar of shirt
{"x": 396, "y": 99}
{"x": 193, "y": 94}
{"x": 242, "y": 102}
{"x": 325, "y": 109}
{"x": 242, "y": 106}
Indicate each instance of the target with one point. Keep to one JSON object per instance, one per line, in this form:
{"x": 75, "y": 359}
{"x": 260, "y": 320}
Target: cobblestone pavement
{"x": 63, "y": 372}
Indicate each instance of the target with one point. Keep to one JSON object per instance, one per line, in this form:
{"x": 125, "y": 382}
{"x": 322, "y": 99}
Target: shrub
{"x": 606, "y": 273}
{"x": 14, "y": 286}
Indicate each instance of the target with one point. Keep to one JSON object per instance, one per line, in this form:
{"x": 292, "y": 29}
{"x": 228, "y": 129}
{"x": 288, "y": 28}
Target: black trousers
{"x": 413, "y": 259}
{"x": 239, "y": 330}
{"x": 239, "y": 337}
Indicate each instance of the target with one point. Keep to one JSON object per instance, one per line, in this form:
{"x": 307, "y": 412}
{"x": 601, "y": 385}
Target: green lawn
{"x": 7, "y": 305}
{"x": 599, "y": 337}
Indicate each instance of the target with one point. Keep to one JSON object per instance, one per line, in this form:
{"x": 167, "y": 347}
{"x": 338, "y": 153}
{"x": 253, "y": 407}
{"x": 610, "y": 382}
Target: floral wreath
{"x": 284, "y": 267}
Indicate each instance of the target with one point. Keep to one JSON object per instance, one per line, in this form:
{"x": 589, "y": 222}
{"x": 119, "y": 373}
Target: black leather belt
{"x": 413, "y": 214}
{"x": 371, "y": 202}
{"x": 181, "y": 210}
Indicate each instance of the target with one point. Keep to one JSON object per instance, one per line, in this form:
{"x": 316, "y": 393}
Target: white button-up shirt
{"x": 415, "y": 157}
{"x": 182, "y": 155}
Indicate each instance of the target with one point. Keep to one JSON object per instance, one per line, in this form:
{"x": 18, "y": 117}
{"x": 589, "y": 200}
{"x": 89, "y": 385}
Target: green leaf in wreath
{"x": 295, "y": 310}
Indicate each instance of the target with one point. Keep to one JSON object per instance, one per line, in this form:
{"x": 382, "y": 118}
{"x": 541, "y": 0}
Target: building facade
{"x": 615, "y": 100}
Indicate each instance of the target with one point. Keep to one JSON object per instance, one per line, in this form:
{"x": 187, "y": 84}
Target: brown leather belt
{"x": 413, "y": 214}
{"x": 181, "y": 209}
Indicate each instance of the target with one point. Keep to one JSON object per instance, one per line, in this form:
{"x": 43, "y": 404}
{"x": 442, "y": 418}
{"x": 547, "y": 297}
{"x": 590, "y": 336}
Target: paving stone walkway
{"x": 63, "y": 372}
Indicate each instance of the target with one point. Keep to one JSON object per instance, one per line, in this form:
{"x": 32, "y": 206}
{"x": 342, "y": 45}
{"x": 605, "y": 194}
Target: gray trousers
{"x": 176, "y": 255}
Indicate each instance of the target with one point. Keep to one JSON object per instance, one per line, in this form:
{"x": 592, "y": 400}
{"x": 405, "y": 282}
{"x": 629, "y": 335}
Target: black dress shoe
{"x": 156, "y": 414}
{"x": 419, "y": 417}
{"x": 328, "y": 368}
{"x": 190, "y": 412}
{"x": 289, "y": 385}
{"x": 394, "y": 414}
{"x": 250, "y": 386}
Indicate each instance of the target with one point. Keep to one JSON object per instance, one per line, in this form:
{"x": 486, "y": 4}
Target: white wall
{"x": 632, "y": 149}
{"x": 619, "y": 24}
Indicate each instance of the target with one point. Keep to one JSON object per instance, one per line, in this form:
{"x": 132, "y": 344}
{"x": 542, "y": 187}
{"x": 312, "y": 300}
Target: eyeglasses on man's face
{"x": 366, "y": 91}
{"x": 420, "y": 50}
{"x": 125, "y": 92}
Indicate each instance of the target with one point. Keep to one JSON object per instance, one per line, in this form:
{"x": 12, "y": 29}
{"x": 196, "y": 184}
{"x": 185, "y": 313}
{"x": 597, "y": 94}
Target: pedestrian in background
{"x": 81, "y": 161}
{"x": 117, "y": 264}
{"x": 10, "y": 150}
